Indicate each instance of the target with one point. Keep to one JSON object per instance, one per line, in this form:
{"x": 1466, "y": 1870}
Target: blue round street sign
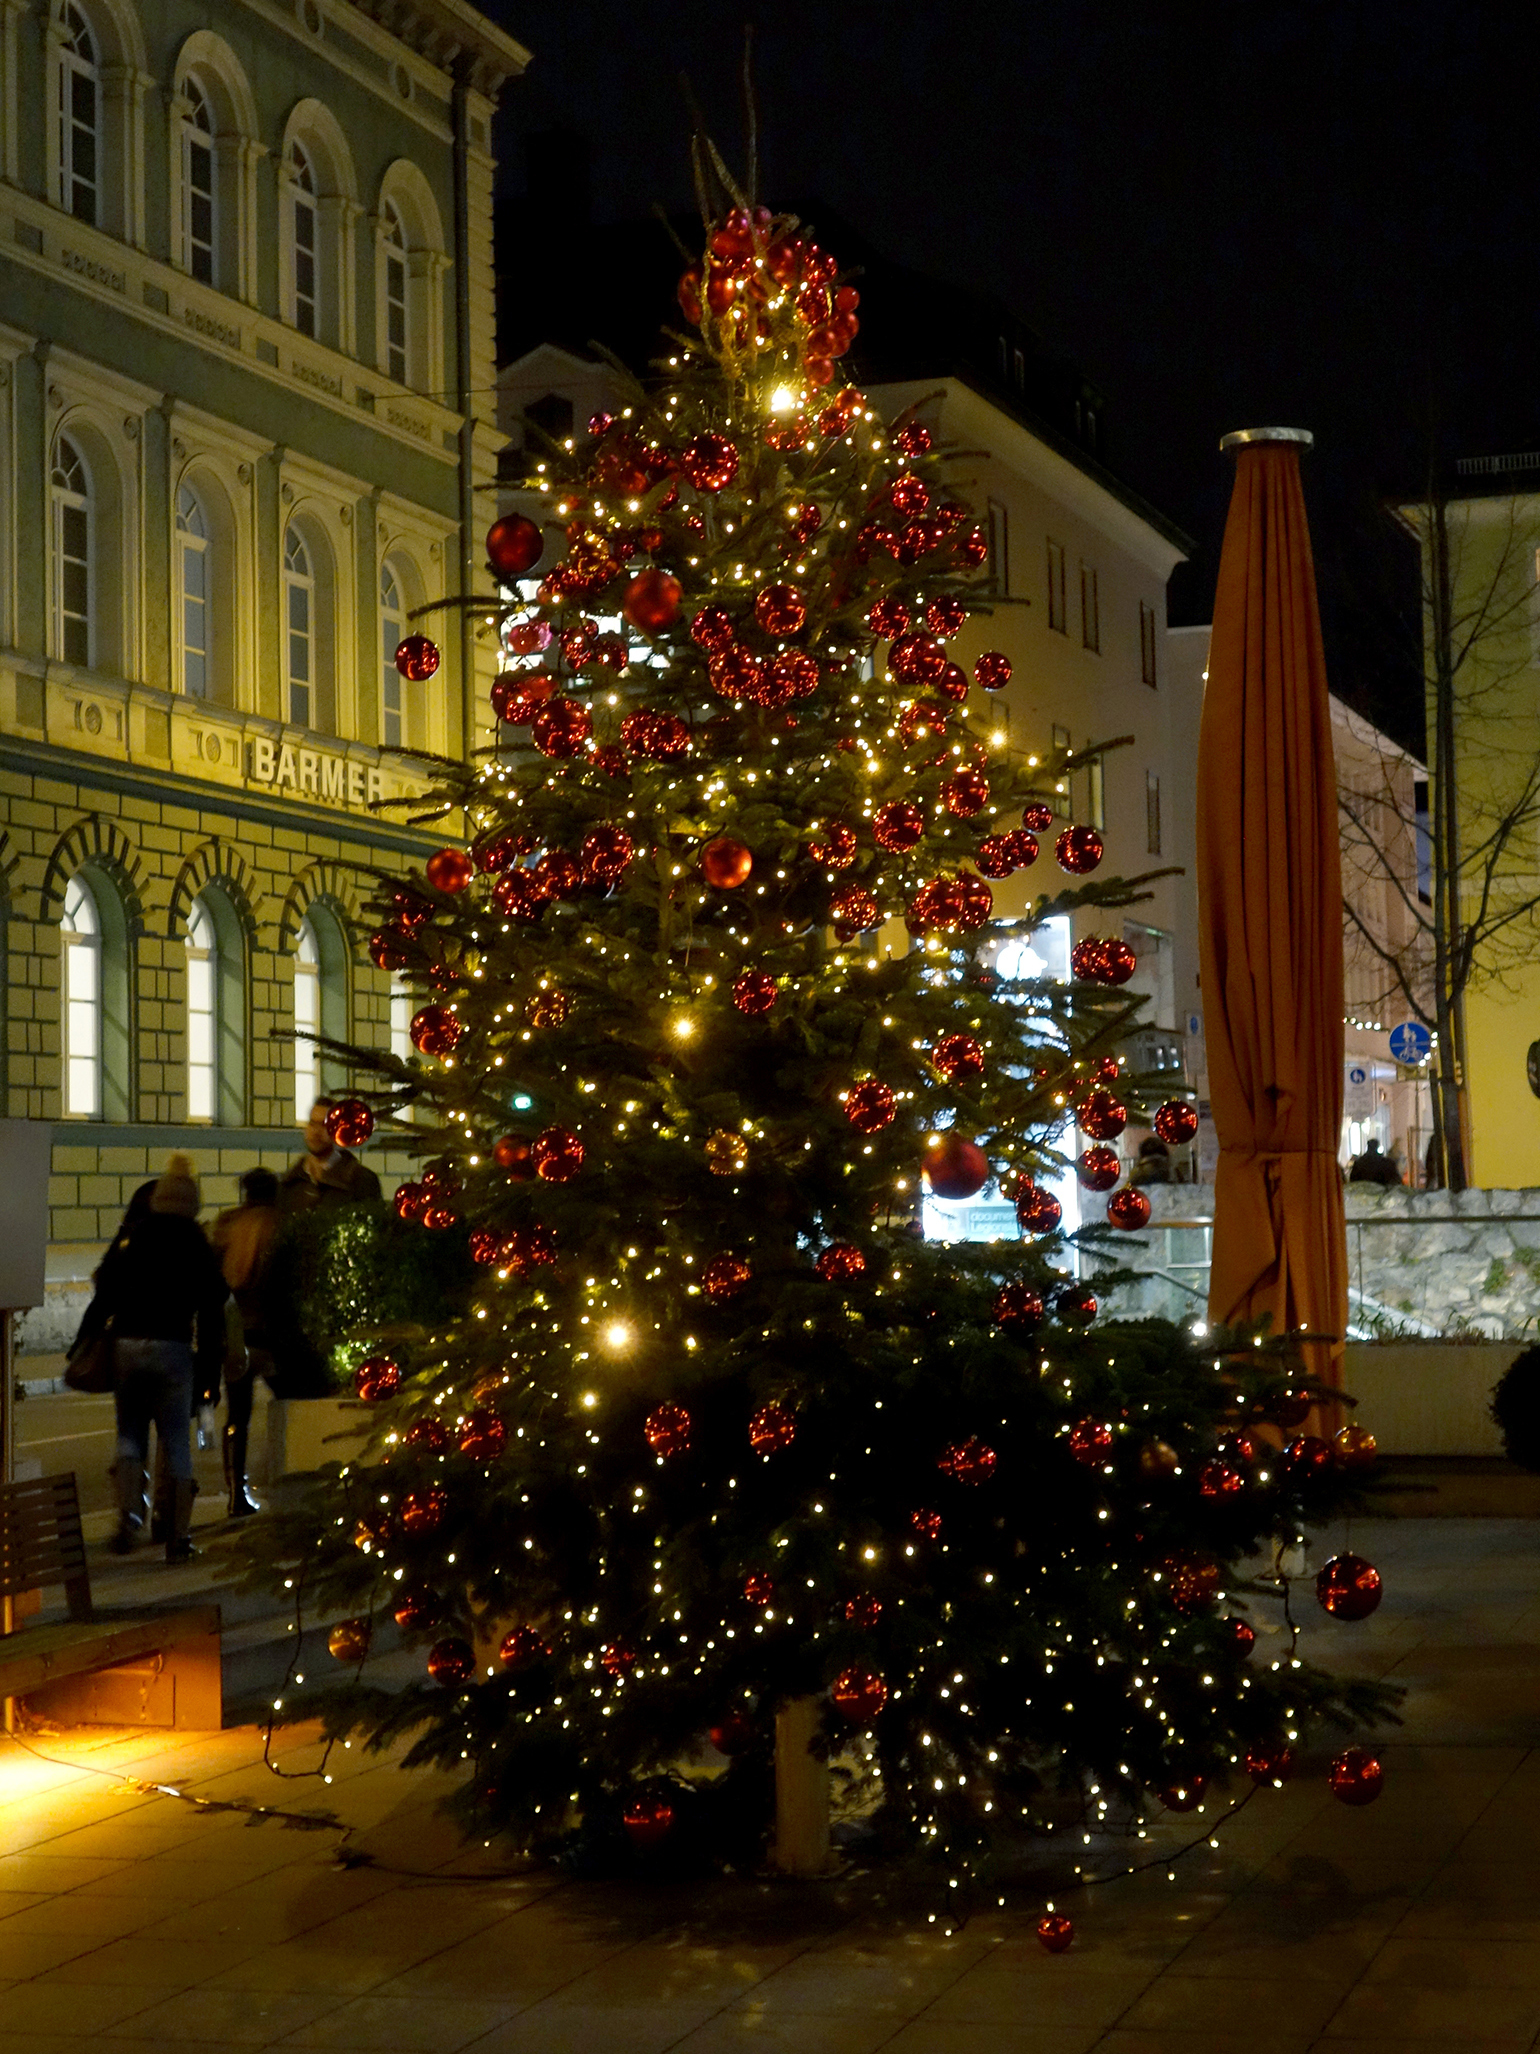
{"x": 1411, "y": 1042}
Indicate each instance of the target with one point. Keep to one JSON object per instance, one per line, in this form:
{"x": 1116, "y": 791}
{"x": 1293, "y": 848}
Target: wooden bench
{"x": 124, "y": 1668}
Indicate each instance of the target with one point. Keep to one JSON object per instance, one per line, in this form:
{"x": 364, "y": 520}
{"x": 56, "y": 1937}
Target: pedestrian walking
{"x": 325, "y": 1174}
{"x": 161, "y": 1290}
{"x": 1373, "y": 1167}
{"x": 243, "y": 1238}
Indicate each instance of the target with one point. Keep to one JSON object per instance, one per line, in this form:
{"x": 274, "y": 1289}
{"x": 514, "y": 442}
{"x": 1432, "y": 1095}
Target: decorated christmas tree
{"x": 705, "y": 1003}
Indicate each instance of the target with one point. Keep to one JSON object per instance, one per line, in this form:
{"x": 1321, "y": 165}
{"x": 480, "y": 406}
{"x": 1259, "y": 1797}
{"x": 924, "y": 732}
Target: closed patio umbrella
{"x": 1270, "y": 918}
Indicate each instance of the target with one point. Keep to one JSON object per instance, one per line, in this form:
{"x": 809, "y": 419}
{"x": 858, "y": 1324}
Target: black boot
{"x": 179, "y": 1547}
{"x": 129, "y": 1481}
{"x": 242, "y": 1504}
{"x": 161, "y": 1496}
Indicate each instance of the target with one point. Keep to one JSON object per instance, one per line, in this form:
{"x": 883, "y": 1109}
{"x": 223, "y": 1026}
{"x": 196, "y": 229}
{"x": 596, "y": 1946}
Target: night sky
{"x": 1317, "y": 216}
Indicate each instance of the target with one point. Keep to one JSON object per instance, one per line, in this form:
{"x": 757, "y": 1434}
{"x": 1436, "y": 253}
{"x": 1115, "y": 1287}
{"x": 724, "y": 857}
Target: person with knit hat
{"x": 161, "y": 1286}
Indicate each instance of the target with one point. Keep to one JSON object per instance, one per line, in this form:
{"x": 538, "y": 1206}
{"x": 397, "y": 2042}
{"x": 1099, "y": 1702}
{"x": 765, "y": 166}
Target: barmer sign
{"x": 316, "y": 772}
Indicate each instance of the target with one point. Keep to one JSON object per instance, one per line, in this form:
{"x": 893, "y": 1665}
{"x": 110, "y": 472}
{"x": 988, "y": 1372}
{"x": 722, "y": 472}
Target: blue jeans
{"x": 155, "y": 1382}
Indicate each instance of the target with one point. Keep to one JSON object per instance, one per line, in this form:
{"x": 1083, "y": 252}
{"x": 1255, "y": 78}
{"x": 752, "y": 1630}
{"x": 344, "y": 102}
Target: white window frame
{"x": 78, "y": 59}
{"x": 307, "y": 1019}
{"x": 394, "y": 258}
{"x": 305, "y": 309}
{"x": 393, "y": 724}
{"x": 202, "y": 1013}
{"x": 80, "y": 1004}
{"x": 200, "y": 253}
{"x": 195, "y": 658}
{"x": 299, "y": 592}
{"x": 73, "y": 633}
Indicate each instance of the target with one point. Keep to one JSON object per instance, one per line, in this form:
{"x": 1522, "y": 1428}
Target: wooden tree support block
{"x": 801, "y": 1793}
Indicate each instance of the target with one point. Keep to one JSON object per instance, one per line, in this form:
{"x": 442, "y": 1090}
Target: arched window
{"x": 81, "y": 929}
{"x": 192, "y": 570}
{"x": 299, "y": 621}
{"x": 304, "y": 226}
{"x": 80, "y": 106}
{"x": 397, "y": 334}
{"x": 202, "y": 1013}
{"x": 199, "y": 189}
{"x": 392, "y": 629}
{"x": 320, "y": 1004}
{"x": 73, "y": 581}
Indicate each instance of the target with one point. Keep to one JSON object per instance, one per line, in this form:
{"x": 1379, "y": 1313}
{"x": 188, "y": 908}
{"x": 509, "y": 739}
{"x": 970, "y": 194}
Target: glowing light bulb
{"x": 617, "y": 1335}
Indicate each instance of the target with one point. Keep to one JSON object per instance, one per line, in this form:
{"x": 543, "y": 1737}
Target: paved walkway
{"x": 127, "y": 1917}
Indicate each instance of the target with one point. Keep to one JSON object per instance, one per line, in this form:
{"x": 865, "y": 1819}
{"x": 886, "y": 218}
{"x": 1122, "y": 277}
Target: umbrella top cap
{"x": 1245, "y": 438}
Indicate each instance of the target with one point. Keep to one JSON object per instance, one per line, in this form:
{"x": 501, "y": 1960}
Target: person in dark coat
{"x": 161, "y": 1287}
{"x": 1372, "y": 1167}
{"x": 325, "y": 1174}
{"x": 243, "y": 1239}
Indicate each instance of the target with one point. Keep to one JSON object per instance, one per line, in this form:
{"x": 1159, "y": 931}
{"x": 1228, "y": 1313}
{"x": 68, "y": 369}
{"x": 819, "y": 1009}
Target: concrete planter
{"x": 1428, "y": 1397}
{"x": 302, "y": 1433}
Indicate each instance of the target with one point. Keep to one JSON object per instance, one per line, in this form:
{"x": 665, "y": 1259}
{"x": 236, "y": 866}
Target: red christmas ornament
{"x": 712, "y": 628}
{"x": 1018, "y": 1310}
{"x": 1055, "y": 1931}
{"x": 559, "y": 874}
{"x": 648, "y": 1822}
{"x": 836, "y": 849}
{"x": 854, "y": 911}
{"x": 726, "y": 864}
{"x": 1349, "y": 1587}
{"x": 1356, "y": 1776}
{"x": 955, "y": 1168}
{"x": 724, "y": 1277}
{"x": 451, "y": 1662}
{"x": 528, "y": 1248}
{"x": 1078, "y": 850}
{"x": 520, "y": 1646}
{"x": 733, "y": 1734}
{"x": 1355, "y": 1447}
{"x": 1076, "y": 1306}
{"x": 840, "y": 1263}
{"x": 430, "y": 1434}
{"x": 926, "y": 1524}
{"x": 1090, "y": 1442}
{"x": 1176, "y": 1121}
{"x": 1184, "y": 1796}
{"x": 1101, "y": 1115}
{"x": 1308, "y": 1456}
{"x": 993, "y": 671}
{"x": 1269, "y": 1763}
{"x": 953, "y": 683}
{"x": 483, "y": 1434}
{"x": 517, "y": 695}
{"x": 562, "y": 728}
{"x": 869, "y": 1106}
{"x": 858, "y": 1695}
{"x": 1022, "y": 844}
{"x": 910, "y": 496}
{"x": 1289, "y": 1409}
{"x": 945, "y": 616}
{"x": 863, "y": 1611}
{"x": 912, "y": 440}
{"x": 514, "y": 545}
{"x": 995, "y": 856}
{"x": 449, "y": 870}
{"x": 889, "y": 618}
{"x": 606, "y": 853}
{"x": 618, "y": 1658}
{"x": 424, "y": 1511}
{"x": 409, "y": 1201}
{"x": 1038, "y": 817}
{"x": 710, "y": 462}
{"x": 965, "y": 794}
{"x": 958, "y": 1057}
{"x": 771, "y": 1429}
{"x": 780, "y": 610}
{"x": 969, "y": 1461}
{"x": 667, "y": 1429}
{"x": 520, "y": 895}
{"x": 378, "y": 1376}
{"x": 758, "y": 1587}
{"x": 417, "y": 657}
{"x": 1037, "y": 1210}
{"x": 755, "y": 992}
{"x": 651, "y": 602}
{"x": 1191, "y": 1580}
{"x": 435, "y": 1031}
{"x": 511, "y": 1152}
{"x": 924, "y": 722}
{"x": 1099, "y": 1168}
{"x": 897, "y": 826}
{"x": 1128, "y": 1210}
{"x": 918, "y": 659}
{"x": 350, "y": 1123}
{"x": 789, "y": 675}
{"x": 529, "y": 637}
{"x": 557, "y": 1155}
{"x": 1219, "y": 1480}
{"x": 1243, "y": 1634}
{"x": 417, "y": 1608}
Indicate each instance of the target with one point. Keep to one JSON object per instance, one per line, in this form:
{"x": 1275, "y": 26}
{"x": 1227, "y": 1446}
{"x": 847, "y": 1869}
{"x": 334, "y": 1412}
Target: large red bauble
{"x": 869, "y": 1106}
{"x": 780, "y": 610}
{"x": 378, "y": 1376}
{"x": 416, "y": 1608}
{"x": 863, "y": 1611}
{"x": 1038, "y": 817}
{"x": 435, "y": 1030}
{"x": 917, "y": 658}
{"x": 514, "y": 545}
{"x": 667, "y": 1429}
{"x": 648, "y": 1822}
{"x": 854, "y": 911}
{"x": 1078, "y": 850}
{"x": 1037, "y": 1210}
{"x": 791, "y": 674}
{"x": 1022, "y": 844}
{"x": 1184, "y": 1796}
{"x": 1355, "y": 1447}
{"x": 858, "y": 1695}
{"x": 1356, "y": 1776}
{"x": 651, "y": 601}
{"x": 927, "y": 1524}
{"x": 771, "y": 1429}
{"x": 965, "y": 794}
{"x": 735, "y": 672}
{"x": 888, "y": 617}
{"x": 425, "y": 1511}
{"x": 1242, "y": 1633}
{"x": 955, "y": 1168}
{"x": 511, "y": 1152}
{"x": 758, "y": 1588}
{"x": 417, "y": 657}
{"x": 1219, "y": 1480}
{"x": 993, "y": 671}
{"x": 1055, "y": 1931}
{"x": 520, "y": 1646}
{"x": 410, "y": 1200}
{"x": 451, "y": 1662}
{"x": 1018, "y": 1310}
{"x": 755, "y": 992}
{"x": 724, "y": 1277}
{"x": 1128, "y": 1210}
{"x": 732, "y": 1733}
{"x": 995, "y": 856}
{"x": 958, "y": 1057}
{"x": 1102, "y": 1116}
{"x": 1269, "y": 1763}
{"x": 429, "y": 1434}
{"x": 617, "y": 1658}
{"x": 349, "y": 1640}
{"x": 1349, "y": 1587}
{"x": 529, "y": 637}
{"x": 1090, "y": 1442}
{"x": 835, "y": 847}
{"x": 1076, "y": 1306}
{"x": 910, "y": 496}
{"x": 350, "y": 1122}
{"x": 520, "y": 894}
{"x": 1192, "y": 1580}
{"x": 1099, "y": 1168}
{"x": 726, "y": 864}
{"x": 1176, "y": 1121}
{"x": 945, "y": 616}
{"x": 1308, "y": 1456}
{"x": 1289, "y": 1409}
{"x": 560, "y": 874}
{"x": 840, "y": 1263}
{"x": 483, "y": 1434}
{"x": 953, "y": 683}
{"x": 655, "y": 737}
{"x": 562, "y": 728}
{"x": 712, "y": 627}
{"x": 969, "y": 1461}
{"x": 606, "y": 853}
{"x": 518, "y": 695}
{"x": 557, "y": 1155}
{"x": 449, "y": 870}
{"x": 710, "y": 462}
{"x": 897, "y": 826}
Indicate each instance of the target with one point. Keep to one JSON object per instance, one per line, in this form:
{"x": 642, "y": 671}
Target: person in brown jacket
{"x": 243, "y": 1240}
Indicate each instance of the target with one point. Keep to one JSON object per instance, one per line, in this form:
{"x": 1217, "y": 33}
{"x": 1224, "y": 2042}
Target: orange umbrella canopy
{"x": 1270, "y": 918}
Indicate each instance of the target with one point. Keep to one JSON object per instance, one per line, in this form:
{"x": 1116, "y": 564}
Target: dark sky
{"x": 1317, "y": 215}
